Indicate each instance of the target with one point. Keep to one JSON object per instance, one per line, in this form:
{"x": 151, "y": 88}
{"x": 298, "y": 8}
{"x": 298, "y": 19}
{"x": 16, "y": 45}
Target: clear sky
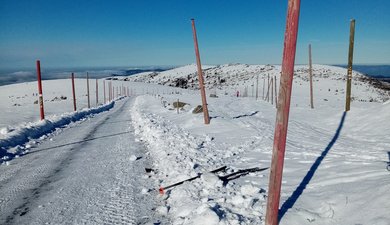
{"x": 149, "y": 32}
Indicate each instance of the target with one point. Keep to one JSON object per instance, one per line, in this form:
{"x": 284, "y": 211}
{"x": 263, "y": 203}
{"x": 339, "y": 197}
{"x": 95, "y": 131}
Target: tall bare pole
{"x": 73, "y": 93}
{"x": 257, "y": 87}
{"x": 282, "y": 112}
{"x": 276, "y": 94}
{"x": 350, "y": 59}
{"x": 89, "y": 103}
{"x": 253, "y": 90}
{"x": 40, "y": 99}
{"x": 200, "y": 76}
{"x": 104, "y": 91}
{"x": 97, "y": 92}
{"x": 272, "y": 90}
{"x": 263, "y": 88}
{"x": 109, "y": 91}
{"x": 268, "y": 83}
{"x": 311, "y": 79}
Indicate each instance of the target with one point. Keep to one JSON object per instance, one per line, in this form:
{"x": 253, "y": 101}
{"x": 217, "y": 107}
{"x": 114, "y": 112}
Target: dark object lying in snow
{"x": 225, "y": 179}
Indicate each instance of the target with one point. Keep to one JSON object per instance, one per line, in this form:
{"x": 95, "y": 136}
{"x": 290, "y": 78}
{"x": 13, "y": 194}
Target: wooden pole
{"x": 109, "y": 91}
{"x": 89, "y": 103}
{"x": 104, "y": 91}
{"x": 73, "y": 93}
{"x": 263, "y": 88}
{"x": 311, "y": 79}
{"x": 282, "y": 114}
{"x": 97, "y": 92}
{"x": 268, "y": 83}
{"x": 276, "y": 94}
{"x": 200, "y": 76}
{"x": 40, "y": 97}
{"x": 350, "y": 59}
{"x": 257, "y": 87}
{"x": 253, "y": 90}
{"x": 272, "y": 90}
{"x": 177, "y": 106}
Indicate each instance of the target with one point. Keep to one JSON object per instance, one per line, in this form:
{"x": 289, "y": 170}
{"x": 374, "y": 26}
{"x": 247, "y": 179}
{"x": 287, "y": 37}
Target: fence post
{"x": 257, "y": 87}
{"x": 40, "y": 98}
{"x": 104, "y": 91}
{"x": 311, "y": 79}
{"x": 282, "y": 114}
{"x": 268, "y": 83}
{"x": 272, "y": 90}
{"x": 177, "y": 106}
{"x": 89, "y": 104}
{"x": 350, "y": 59}
{"x": 108, "y": 90}
{"x": 97, "y": 92}
{"x": 200, "y": 76}
{"x": 276, "y": 94}
{"x": 73, "y": 93}
{"x": 253, "y": 89}
{"x": 263, "y": 88}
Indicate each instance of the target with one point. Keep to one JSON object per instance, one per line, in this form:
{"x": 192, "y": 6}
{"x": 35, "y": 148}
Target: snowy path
{"x": 84, "y": 175}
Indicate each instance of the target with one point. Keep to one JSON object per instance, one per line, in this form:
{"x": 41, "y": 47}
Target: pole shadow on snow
{"x": 77, "y": 142}
{"x": 289, "y": 203}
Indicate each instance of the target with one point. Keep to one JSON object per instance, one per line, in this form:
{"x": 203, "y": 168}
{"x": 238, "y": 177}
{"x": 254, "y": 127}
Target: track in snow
{"x": 83, "y": 176}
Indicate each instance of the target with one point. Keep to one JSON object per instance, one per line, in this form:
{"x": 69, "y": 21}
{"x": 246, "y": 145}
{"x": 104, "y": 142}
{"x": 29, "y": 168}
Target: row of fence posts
{"x": 120, "y": 91}
{"x": 282, "y": 101}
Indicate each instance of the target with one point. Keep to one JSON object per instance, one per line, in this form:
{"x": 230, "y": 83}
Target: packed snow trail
{"x": 87, "y": 174}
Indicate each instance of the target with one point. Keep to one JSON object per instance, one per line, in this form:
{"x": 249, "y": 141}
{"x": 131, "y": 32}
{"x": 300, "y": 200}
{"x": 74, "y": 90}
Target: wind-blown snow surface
{"x": 335, "y": 165}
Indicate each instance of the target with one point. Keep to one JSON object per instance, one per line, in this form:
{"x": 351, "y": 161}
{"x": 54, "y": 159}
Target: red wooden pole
{"x": 282, "y": 114}
{"x": 97, "y": 92}
{"x": 350, "y": 60}
{"x": 311, "y": 79}
{"x": 89, "y": 104}
{"x": 74, "y": 93}
{"x": 276, "y": 94}
{"x": 41, "y": 110}
{"x": 109, "y": 91}
{"x": 104, "y": 91}
{"x": 200, "y": 76}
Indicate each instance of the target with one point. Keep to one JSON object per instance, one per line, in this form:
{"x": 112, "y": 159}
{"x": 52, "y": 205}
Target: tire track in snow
{"x": 34, "y": 193}
{"x": 118, "y": 210}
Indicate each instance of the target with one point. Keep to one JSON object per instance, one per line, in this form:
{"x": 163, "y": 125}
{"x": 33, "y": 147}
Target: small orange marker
{"x": 161, "y": 190}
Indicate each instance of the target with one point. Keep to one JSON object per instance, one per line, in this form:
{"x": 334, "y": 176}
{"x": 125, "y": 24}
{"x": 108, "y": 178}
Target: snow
{"x": 335, "y": 163}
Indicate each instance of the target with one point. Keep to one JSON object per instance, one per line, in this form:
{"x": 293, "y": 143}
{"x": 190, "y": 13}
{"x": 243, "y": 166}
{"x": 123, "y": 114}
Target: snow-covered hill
{"x": 335, "y": 165}
{"x": 239, "y": 76}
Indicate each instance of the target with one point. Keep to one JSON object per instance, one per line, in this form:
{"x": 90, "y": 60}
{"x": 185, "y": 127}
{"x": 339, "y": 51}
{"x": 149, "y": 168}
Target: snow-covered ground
{"x": 335, "y": 165}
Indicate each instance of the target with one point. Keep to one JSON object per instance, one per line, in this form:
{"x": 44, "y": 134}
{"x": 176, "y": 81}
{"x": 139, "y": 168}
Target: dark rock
{"x": 197, "y": 109}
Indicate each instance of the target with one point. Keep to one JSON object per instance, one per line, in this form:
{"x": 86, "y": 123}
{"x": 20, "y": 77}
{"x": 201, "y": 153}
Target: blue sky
{"x": 133, "y": 33}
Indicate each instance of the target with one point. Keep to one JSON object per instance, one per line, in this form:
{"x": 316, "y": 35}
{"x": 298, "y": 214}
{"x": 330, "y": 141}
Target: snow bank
{"x": 19, "y": 135}
{"x": 179, "y": 154}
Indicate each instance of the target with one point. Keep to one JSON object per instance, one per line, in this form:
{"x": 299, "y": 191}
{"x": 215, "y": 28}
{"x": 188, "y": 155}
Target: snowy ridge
{"x": 19, "y": 135}
{"x": 241, "y": 76}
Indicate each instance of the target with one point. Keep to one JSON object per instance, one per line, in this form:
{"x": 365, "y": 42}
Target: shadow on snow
{"x": 289, "y": 203}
